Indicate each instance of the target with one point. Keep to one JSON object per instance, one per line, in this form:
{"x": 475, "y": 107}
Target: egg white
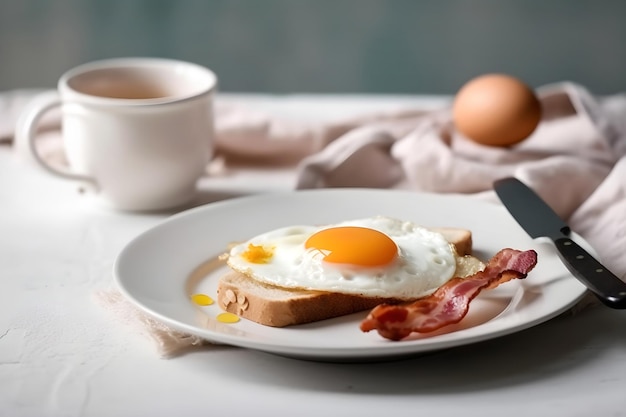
{"x": 425, "y": 261}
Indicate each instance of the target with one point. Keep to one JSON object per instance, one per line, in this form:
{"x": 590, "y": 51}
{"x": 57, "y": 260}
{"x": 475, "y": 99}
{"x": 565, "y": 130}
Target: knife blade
{"x": 539, "y": 220}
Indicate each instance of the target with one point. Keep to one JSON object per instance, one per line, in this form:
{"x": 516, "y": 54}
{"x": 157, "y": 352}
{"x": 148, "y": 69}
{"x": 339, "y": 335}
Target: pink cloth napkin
{"x": 576, "y": 160}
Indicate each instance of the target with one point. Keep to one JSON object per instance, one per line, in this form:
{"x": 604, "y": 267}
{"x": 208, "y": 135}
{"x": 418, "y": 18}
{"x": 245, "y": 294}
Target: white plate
{"x": 162, "y": 267}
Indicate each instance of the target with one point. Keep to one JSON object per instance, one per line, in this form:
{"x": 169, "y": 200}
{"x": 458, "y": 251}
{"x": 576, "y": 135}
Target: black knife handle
{"x": 603, "y": 283}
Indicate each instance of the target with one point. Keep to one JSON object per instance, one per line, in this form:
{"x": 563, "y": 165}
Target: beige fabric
{"x": 167, "y": 341}
{"x": 575, "y": 160}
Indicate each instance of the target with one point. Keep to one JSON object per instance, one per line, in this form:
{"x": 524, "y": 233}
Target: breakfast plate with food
{"x": 346, "y": 274}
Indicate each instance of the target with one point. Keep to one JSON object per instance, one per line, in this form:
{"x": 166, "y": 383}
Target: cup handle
{"x": 26, "y": 129}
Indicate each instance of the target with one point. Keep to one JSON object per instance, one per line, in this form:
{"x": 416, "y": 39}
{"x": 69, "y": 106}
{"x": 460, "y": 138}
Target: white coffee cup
{"x": 140, "y": 130}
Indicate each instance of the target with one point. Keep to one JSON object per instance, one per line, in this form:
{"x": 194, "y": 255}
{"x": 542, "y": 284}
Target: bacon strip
{"x": 450, "y": 303}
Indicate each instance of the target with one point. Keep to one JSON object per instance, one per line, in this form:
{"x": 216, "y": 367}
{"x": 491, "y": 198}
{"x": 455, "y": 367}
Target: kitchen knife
{"x": 539, "y": 220}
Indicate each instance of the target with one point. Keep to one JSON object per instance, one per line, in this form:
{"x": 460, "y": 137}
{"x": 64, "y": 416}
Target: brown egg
{"x": 496, "y": 110}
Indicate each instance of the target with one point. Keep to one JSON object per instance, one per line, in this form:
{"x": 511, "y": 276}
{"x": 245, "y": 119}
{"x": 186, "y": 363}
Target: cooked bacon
{"x": 450, "y": 303}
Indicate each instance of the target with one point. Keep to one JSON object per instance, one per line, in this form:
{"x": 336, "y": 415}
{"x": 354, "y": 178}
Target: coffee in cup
{"x": 138, "y": 130}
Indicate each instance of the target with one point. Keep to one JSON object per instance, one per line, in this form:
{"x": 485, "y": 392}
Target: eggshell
{"x": 496, "y": 110}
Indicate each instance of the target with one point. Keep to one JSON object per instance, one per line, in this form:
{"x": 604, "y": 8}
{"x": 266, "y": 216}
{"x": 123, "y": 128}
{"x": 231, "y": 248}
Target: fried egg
{"x": 373, "y": 257}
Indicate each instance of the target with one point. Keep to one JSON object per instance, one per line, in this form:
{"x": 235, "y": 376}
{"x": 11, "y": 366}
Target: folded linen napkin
{"x": 575, "y": 160}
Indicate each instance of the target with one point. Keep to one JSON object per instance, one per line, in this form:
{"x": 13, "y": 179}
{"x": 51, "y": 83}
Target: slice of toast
{"x": 279, "y": 307}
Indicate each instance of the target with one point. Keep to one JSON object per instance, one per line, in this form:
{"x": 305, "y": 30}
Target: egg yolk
{"x": 202, "y": 299}
{"x": 354, "y": 245}
{"x": 227, "y": 318}
{"x": 257, "y": 254}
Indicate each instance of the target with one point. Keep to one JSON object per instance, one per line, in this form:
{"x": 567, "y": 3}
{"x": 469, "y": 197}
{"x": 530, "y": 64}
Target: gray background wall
{"x": 325, "y": 46}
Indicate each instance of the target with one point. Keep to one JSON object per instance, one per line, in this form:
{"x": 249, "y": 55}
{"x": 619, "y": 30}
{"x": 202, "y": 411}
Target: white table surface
{"x": 61, "y": 354}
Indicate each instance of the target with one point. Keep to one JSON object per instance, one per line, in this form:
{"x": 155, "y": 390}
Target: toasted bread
{"x": 279, "y": 307}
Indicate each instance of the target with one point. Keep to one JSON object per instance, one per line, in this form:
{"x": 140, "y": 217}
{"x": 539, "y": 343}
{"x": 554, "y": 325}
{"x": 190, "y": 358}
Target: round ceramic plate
{"x": 160, "y": 270}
